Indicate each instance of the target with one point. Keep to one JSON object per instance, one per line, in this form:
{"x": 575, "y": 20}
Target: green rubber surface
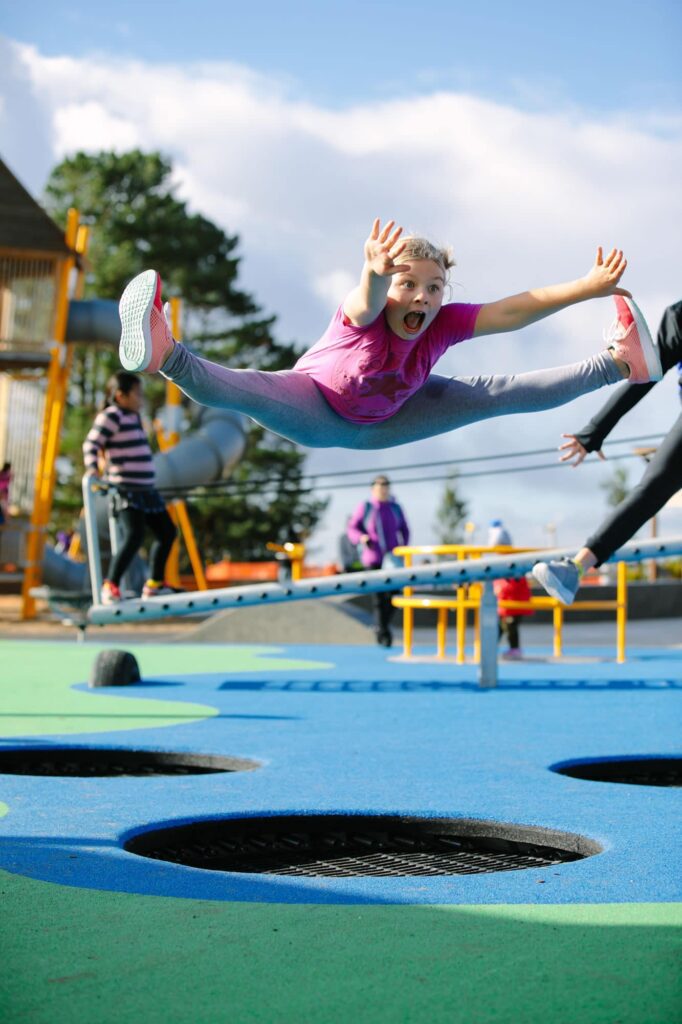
{"x": 82, "y": 955}
{"x": 37, "y": 697}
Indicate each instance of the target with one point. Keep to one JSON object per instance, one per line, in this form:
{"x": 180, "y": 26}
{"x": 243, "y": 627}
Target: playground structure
{"x": 42, "y": 316}
{"x": 468, "y": 599}
{"x": 481, "y": 571}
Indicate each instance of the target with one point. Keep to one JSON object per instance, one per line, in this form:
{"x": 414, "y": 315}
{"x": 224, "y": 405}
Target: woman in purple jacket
{"x": 376, "y": 527}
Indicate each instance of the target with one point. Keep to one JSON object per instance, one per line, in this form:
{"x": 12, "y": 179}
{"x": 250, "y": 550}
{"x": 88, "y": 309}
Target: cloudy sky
{"x": 523, "y": 135}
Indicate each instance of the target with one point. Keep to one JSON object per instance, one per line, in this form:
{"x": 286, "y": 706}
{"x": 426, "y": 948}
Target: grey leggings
{"x": 289, "y": 403}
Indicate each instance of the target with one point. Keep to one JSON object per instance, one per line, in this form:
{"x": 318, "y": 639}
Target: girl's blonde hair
{"x": 421, "y": 249}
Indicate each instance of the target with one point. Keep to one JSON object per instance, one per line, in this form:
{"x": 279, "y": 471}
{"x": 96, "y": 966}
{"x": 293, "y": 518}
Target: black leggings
{"x": 509, "y": 624}
{"x": 133, "y": 521}
{"x": 662, "y": 479}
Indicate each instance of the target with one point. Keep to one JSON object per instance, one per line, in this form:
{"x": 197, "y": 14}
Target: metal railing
{"x": 468, "y": 598}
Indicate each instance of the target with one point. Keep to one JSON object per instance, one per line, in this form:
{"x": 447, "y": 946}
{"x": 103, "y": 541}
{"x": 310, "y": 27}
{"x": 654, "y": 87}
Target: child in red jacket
{"x": 509, "y": 618}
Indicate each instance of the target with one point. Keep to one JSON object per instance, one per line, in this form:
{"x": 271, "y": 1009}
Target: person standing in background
{"x": 508, "y": 590}
{"x": 378, "y": 526}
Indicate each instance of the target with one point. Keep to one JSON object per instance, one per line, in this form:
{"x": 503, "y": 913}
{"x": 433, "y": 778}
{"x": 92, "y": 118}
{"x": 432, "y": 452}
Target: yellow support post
{"x": 55, "y": 403}
{"x": 171, "y": 438}
{"x": 441, "y": 631}
{"x": 621, "y": 610}
{"x": 408, "y": 615}
{"x": 558, "y": 622}
{"x": 477, "y": 592}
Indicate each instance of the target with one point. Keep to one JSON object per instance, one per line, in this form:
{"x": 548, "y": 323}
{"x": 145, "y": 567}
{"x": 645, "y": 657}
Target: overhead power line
{"x": 246, "y": 489}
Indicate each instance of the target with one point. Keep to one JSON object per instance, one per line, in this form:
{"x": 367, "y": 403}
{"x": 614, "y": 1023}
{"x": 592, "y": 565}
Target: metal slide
{"x": 208, "y": 454}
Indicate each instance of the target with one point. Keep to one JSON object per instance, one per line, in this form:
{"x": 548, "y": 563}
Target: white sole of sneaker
{"x": 135, "y": 307}
{"x": 546, "y": 578}
{"x": 649, "y": 350}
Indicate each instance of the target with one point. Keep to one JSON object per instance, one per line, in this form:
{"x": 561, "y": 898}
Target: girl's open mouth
{"x": 413, "y": 322}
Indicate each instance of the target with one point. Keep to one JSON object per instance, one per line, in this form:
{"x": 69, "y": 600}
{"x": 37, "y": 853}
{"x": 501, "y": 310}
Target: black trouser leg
{"x": 384, "y": 609}
{"x": 161, "y": 525}
{"x": 131, "y": 521}
{"x": 662, "y": 479}
{"x": 509, "y": 624}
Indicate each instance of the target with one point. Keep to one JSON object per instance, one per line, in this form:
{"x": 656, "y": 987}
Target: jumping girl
{"x": 367, "y": 382}
{"x": 117, "y": 435}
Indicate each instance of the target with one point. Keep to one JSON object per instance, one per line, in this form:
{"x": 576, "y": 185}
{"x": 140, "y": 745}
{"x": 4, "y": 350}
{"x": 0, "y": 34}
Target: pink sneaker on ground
{"x": 146, "y": 339}
{"x": 629, "y": 339}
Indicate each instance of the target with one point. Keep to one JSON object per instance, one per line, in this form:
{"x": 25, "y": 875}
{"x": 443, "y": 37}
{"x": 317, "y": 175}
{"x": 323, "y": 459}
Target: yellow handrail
{"x": 468, "y": 598}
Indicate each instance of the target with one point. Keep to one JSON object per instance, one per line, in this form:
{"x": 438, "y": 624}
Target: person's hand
{"x": 382, "y": 249}
{"x": 606, "y": 273}
{"x": 574, "y": 450}
{"x": 365, "y": 539}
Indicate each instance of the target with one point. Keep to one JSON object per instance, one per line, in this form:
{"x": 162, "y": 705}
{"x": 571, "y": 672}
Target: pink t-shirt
{"x": 367, "y": 373}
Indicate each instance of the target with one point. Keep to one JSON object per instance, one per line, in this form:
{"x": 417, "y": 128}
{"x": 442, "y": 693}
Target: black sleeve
{"x": 627, "y": 396}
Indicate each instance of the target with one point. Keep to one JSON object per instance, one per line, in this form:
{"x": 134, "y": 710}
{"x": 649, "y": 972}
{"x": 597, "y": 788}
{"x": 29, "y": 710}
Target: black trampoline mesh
{"x": 345, "y": 847}
{"x": 87, "y": 762}
{"x": 651, "y": 771}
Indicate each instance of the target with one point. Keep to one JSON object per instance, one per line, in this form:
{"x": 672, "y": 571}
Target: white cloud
{"x": 90, "y": 126}
{"x": 524, "y": 197}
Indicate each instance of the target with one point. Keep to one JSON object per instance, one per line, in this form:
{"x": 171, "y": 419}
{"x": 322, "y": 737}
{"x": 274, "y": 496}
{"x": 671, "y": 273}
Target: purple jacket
{"x": 385, "y": 525}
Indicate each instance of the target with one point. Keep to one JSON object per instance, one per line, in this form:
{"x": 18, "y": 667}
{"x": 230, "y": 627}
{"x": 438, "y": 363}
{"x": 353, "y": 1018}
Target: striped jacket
{"x": 119, "y": 434}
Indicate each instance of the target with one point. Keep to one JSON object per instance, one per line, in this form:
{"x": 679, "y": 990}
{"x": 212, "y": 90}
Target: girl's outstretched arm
{"x": 382, "y": 248}
{"x": 520, "y": 310}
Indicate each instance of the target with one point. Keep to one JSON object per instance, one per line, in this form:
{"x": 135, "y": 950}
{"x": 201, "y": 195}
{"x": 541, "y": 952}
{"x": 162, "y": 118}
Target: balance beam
{"x": 437, "y": 574}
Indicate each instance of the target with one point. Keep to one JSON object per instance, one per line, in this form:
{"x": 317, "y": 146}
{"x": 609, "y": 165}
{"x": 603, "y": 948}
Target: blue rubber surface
{"x": 372, "y": 735}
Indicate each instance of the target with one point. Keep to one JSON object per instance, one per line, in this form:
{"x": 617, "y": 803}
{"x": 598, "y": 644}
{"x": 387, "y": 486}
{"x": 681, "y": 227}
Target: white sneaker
{"x": 560, "y": 579}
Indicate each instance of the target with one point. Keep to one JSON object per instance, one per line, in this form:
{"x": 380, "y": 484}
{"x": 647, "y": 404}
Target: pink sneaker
{"x": 629, "y": 339}
{"x": 110, "y": 593}
{"x": 146, "y": 339}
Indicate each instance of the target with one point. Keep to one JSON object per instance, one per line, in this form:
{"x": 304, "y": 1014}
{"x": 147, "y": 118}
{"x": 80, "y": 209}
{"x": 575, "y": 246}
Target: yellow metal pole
{"x": 55, "y": 402}
{"x": 183, "y": 521}
{"x": 173, "y": 392}
{"x": 558, "y": 620}
{"x": 461, "y": 619}
{"x": 408, "y": 614}
{"x": 621, "y": 610}
{"x": 171, "y": 438}
{"x": 441, "y": 631}
{"x": 177, "y": 510}
{"x": 477, "y": 624}
{"x": 408, "y": 631}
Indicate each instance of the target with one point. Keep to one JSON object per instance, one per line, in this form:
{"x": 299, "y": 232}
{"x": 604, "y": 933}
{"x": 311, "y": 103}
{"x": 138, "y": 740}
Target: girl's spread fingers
{"x": 387, "y": 230}
{"x": 374, "y": 233}
{"x": 402, "y": 268}
{"x": 600, "y": 256}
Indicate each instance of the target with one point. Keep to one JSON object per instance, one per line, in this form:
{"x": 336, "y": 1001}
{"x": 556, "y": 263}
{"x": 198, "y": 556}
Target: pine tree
{"x": 137, "y": 221}
{"x": 451, "y": 513}
{"x": 616, "y": 489}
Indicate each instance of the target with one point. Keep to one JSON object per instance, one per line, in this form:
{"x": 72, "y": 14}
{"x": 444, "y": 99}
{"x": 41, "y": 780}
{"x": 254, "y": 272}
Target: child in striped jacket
{"x": 118, "y": 438}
